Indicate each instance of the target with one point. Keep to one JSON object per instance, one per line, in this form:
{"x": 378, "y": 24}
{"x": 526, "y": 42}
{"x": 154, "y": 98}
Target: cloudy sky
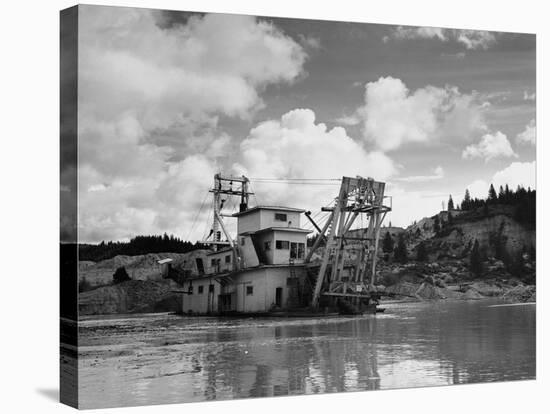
{"x": 167, "y": 99}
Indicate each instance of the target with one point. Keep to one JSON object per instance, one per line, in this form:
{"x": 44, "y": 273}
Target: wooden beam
{"x": 318, "y": 241}
{"x": 378, "y": 223}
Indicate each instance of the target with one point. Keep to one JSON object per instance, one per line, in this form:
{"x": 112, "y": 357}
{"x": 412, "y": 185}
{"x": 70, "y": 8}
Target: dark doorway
{"x": 226, "y": 303}
{"x": 279, "y": 297}
{"x": 200, "y": 265}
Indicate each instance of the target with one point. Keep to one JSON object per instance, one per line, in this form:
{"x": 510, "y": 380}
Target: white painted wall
{"x": 223, "y": 266}
{"x": 247, "y": 252}
{"x": 199, "y": 302}
{"x": 265, "y": 218}
{"x": 248, "y": 222}
{"x": 264, "y": 282}
{"x": 283, "y": 256}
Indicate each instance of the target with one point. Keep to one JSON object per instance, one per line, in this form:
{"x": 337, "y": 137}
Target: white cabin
{"x": 266, "y": 274}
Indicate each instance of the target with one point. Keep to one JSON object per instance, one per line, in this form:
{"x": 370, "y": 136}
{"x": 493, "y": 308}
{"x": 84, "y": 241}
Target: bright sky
{"x": 166, "y": 99}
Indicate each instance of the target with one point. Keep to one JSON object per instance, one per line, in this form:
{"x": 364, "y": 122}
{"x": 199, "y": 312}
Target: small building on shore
{"x": 262, "y": 271}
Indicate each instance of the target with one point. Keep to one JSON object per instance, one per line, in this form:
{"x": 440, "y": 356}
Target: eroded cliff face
{"x": 141, "y": 267}
{"x": 506, "y": 248}
{"x": 516, "y": 235}
{"x": 131, "y": 297}
{"x": 147, "y": 291}
{"x": 457, "y": 238}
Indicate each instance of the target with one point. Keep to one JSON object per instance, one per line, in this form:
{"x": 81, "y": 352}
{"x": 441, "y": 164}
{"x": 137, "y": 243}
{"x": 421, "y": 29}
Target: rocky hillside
{"x": 131, "y": 297}
{"x": 436, "y": 259}
{"x": 454, "y": 238}
{"x": 141, "y": 267}
{"x": 451, "y": 280}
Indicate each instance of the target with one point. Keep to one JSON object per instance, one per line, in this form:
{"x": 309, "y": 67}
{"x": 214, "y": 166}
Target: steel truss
{"x": 358, "y": 196}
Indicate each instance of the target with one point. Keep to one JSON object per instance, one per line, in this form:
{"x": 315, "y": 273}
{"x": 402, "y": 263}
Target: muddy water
{"x": 157, "y": 359}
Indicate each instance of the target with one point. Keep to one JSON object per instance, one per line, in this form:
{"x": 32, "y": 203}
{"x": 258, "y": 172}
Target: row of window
{"x": 200, "y": 289}
{"x": 217, "y": 261}
{"x": 297, "y": 250}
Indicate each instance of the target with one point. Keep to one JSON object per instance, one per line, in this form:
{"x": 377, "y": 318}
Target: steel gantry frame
{"x": 228, "y": 186}
{"x": 357, "y": 196}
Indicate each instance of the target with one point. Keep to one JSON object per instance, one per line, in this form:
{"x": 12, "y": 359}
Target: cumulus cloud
{"x": 437, "y": 174}
{"x": 490, "y": 147}
{"x": 394, "y": 116}
{"x": 150, "y": 96}
{"x": 298, "y": 147}
{"x": 516, "y": 174}
{"x": 408, "y": 206}
{"x": 529, "y": 134}
{"x": 419, "y": 32}
{"x": 229, "y": 56}
{"x": 478, "y": 189}
{"x": 348, "y": 120}
{"x": 475, "y": 39}
{"x": 470, "y": 39}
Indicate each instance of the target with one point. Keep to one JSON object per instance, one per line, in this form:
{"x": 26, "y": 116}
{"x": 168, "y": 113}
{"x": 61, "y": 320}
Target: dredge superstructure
{"x": 268, "y": 268}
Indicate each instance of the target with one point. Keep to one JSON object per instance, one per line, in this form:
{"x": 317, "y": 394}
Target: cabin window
{"x": 201, "y": 289}
{"x": 242, "y": 241}
{"x": 267, "y": 245}
{"x": 301, "y": 250}
{"x": 280, "y": 217}
{"x": 249, "y": 290}
{"x": 190, "y": 290}
{"x": 297, "y": 250}
{"x": 282, "y": 245}
{"x": 228, "y": 259}
{"x": 293, "y": 250}
{"x": 215, "y": 264}
{"x": 211, "y": 288}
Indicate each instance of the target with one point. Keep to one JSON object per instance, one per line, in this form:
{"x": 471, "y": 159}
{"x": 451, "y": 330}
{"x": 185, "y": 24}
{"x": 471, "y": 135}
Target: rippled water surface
{"x": 159, "y": 358}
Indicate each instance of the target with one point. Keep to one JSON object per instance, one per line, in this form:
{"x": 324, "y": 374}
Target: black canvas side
{"x": 68, "y": 207}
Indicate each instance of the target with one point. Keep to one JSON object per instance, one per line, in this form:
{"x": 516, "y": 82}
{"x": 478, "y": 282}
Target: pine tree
{"x": 492, "y": 194}
{"x": 449, "y": 218}
{"x": 421, "y": 252}
{"x": 501, "y": 194}
{"x": 476, "y": 266}
{"x": 401, "y": 250}
{"x": 466, "y": 203}
{"x": 450, "y": 204}
{"x": 387, "y": 243}
{"x": 507, "y": 194}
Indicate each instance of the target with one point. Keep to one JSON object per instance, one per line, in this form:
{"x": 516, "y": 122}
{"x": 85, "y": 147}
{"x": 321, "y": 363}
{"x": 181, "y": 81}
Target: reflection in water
{"x": 151, "y": 359}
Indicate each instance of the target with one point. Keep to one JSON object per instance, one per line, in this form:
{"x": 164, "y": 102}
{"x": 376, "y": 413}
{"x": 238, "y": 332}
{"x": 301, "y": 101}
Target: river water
{"x": 161, "y": 358}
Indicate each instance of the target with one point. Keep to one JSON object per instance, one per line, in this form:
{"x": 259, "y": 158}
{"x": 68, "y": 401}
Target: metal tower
{"x": 340, "y": 276}
{"x": 226, "y": 186}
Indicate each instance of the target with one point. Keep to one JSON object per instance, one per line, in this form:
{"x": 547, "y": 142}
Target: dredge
{"x": 268, "y": 267}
